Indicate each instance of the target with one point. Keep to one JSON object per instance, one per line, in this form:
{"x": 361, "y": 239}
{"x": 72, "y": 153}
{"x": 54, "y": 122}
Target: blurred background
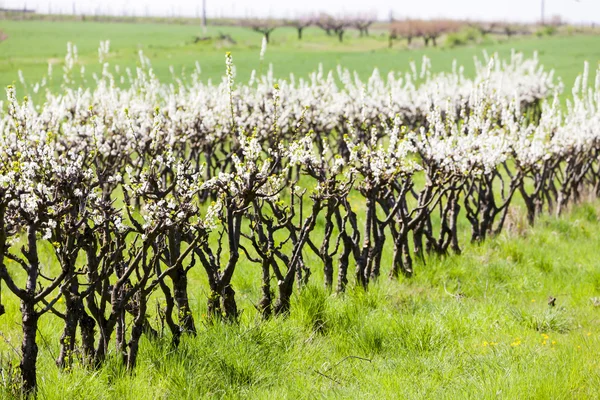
{"x": 584, "y": 11}
{"x": 359, "y": 35}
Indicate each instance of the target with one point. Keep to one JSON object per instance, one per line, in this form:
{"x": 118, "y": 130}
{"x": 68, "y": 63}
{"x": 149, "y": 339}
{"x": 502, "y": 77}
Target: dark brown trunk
{"x": 362, "y": 261}
{"x": 29, "y": 348}
{"x": 282, "y": 305}
{"x": 136, "y": 334}
{"x": 264, "y": 305}
{"x": 454, "y": 226}
{"x": 344, "y": 256}
{"x": 229, "y": 305}
{"x": 179, "y": 279}
{"x": 402, "y": 261}
{"x": 379, "y": 239}
{"x": 186, "y": 319}
{"x": 328, "y": 271}
{"x": 324, "y": 250}
{"x": 343, "y": 265}
{"x": 67, "y": 339}
{"x": 214, "y": 306}
{"x": 120, "y": 337}
{"x": 87, "y": 326}
{"x": 170, "y": 306}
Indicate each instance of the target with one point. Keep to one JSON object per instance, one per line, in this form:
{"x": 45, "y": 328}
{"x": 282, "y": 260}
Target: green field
{"x": 31, "y": 45}
{"x": 474, "y": 326}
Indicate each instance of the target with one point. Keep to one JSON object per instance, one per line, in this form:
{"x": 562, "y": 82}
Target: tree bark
{"x": 67, "y": 339}
{"x": 87, "y": 326}
{"x": 264, "y": 305}
{"x": 136, "y": 333}
{"x": 180, "y": 290}
{"x": 29, "y": 348}
{"x": 30, "y": 317}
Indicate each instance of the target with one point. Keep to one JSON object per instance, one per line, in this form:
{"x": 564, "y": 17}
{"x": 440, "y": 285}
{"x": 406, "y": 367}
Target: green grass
{"x": 32, "y": 44}
{"x": 470, "y": 326}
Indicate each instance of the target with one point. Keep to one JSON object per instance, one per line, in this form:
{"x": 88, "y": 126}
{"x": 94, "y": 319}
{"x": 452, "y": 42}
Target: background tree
{"x": 264, "y": 26}
{"x": 403, "y": 30}
{"x": 362, "y": 22}
{"x": 300, "y": 24}
{"x": 334, "y": 25}
{"x": 432, "y": 30}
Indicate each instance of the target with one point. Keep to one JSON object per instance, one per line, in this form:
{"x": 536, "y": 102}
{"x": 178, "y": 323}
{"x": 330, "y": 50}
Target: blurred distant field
{"x": 31, "y": 45}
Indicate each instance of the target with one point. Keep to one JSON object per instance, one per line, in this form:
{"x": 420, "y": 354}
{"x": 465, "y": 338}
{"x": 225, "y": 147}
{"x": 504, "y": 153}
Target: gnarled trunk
{"x": 29, "y": 348}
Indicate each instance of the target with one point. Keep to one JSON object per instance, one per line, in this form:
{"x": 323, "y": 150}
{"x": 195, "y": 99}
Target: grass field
{"x": 475, "y": 326}
{"x": 31, "y": 45}
{"x": 471, "y": 326}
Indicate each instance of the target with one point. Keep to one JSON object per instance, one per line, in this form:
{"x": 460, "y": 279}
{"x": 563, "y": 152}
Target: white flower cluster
{"x": 171, "y": 146}
{"x": 378, "y": 129}
{"x": 143, "y": 177}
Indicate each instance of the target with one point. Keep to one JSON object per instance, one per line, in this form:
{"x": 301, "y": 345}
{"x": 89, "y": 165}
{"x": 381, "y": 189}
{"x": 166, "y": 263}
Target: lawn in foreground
{"x": 476, "y": 325}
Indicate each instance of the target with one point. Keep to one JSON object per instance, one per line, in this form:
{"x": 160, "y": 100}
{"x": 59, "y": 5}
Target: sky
{"x": 575, "y": 11}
